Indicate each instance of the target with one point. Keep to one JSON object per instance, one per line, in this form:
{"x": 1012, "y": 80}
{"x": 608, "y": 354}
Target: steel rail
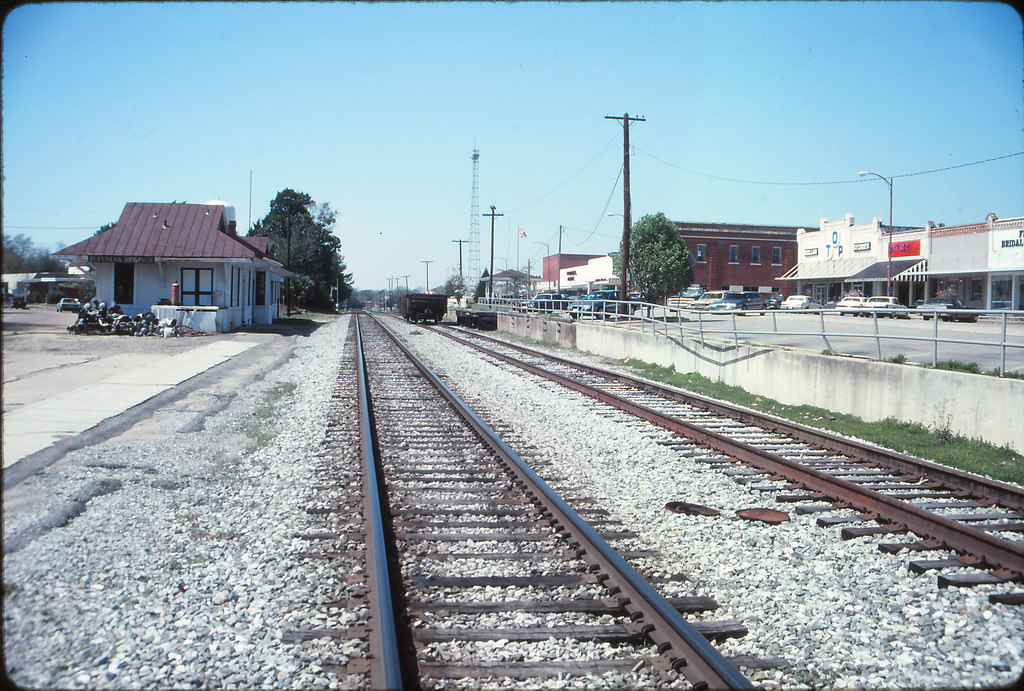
{"x": 688, "y": 650}
{"x": 1003, "y": 493}
{"x": 385, "y": 650}
{"x": 991, "y": 550}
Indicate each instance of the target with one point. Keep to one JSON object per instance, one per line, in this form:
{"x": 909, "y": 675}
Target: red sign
{"x": 910, "y": 248}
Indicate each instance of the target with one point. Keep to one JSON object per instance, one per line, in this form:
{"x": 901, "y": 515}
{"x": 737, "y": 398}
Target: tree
{"x": 300, "y": 235}
{"x": 481, "y": 287}
{"x": 659, "y": 261}
{"x": 455, "y": 286}
{"x": 22, "y": 256}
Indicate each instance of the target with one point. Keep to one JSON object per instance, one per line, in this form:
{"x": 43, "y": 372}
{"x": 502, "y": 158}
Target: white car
{"x": 800, "y": 302}
{"x": 882, "y": 304}
{"x": 850, "y": 305}
{"x": 69, "y": 305}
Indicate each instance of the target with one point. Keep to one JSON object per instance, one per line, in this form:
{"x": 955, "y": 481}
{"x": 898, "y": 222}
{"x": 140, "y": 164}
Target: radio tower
{"x": 474, "y": 225}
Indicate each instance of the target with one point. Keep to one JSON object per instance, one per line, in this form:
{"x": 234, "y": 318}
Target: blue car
{"x": 601, "y": 304}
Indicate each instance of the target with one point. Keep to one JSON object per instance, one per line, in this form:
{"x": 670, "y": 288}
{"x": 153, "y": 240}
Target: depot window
{"x": 755, "y": 255}
{"x": 734, "y": 254}
{"x": 702, "y": 254}
{"x": 197, "y": 286}
{"x": 261, "y": 288}
{"x": 776, "y": 256}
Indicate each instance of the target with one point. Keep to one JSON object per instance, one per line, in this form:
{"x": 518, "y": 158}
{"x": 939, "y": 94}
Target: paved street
{"x": 57, "y": 386}
{"x": 913, "y": 338}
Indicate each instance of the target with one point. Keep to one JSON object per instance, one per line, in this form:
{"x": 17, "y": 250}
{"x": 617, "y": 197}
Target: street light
{"x": 887, "y": 181}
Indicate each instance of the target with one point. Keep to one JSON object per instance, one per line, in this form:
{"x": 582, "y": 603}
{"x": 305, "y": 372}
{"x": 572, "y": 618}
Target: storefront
{"x": 840, "y": 258}
{"x": 980, "y": 263}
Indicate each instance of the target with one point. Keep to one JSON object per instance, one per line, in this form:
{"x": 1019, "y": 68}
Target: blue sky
{"x": 376, "y": 108}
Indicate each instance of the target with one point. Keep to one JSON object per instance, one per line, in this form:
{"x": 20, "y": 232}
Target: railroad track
{"x": 491, "y": 575}
{"x": 879, "y": 492}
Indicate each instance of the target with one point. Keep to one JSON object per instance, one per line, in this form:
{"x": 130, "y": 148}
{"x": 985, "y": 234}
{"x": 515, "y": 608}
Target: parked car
{"x": 850, "y": 305}
{"x": 884, "y": 306}
{"x": 600, "y": 304}
{"x": 774, "y": 301}
{"x": 69, "y": 305}
{"x": 706, "y": 299}
{"x": 547, "y": 302}
{"x": 18, "y": 301}
{"x": 686, "y": 297}
{"x": 937, "y": 306}
{"x": 739, "y": 301}
{"x": 800, "y": 302}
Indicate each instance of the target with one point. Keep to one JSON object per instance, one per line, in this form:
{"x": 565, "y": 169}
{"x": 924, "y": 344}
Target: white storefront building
{"x": 981, "y": 263}
{"x": 840, "y": 258}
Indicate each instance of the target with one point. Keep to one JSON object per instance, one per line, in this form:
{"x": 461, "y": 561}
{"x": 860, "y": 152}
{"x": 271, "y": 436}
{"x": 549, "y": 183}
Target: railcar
{"x": 423, "y": 306}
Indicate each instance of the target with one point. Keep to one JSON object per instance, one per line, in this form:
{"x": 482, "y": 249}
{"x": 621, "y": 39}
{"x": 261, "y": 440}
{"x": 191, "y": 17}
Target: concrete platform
{"x": 49, "y": 417}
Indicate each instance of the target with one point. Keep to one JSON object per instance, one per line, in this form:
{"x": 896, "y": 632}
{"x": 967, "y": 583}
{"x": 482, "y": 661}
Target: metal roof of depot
{"x": 170, "y": 230}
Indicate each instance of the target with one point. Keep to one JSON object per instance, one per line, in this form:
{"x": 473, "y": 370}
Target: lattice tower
{"x": 473, "y": 267}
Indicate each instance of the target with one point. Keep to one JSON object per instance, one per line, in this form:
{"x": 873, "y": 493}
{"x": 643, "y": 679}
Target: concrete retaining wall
{"x": 971, "y": 405}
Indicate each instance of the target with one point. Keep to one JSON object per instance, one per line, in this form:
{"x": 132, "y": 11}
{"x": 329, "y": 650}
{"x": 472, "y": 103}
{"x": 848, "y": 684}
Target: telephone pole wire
{"x": 624, "y": 279}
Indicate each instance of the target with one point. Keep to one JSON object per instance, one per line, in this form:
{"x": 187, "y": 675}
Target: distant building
{"x": 840, "y": 258}
{"x": 734, "y": 256}
{"x": 183, "y": 261}
{"x": 579, "y": 274}
{"x": 512, "y": 284}
{"x": 980, "y": 263}
{"x": 36, "y": 286}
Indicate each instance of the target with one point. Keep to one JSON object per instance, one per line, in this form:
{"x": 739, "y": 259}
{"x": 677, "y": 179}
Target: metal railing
{"x": 679, "y": 323}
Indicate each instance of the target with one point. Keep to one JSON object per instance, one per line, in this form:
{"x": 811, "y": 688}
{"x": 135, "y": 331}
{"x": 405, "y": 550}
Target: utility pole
{"x": 624, "y": 287}
{"x": 406, "y": 277}
{"x": 490, "y": 281}
{"x": 559, "y": 260}
{"x": 288, "y": 231}
{"x": 426, "y": 263}
{"x": 461, "y": 243}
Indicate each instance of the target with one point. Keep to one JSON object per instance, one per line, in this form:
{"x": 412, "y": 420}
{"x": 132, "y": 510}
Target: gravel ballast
{"x": 187, "y": 575}
{"x": 843, "y": 613}
{"x": 171, "y": 561}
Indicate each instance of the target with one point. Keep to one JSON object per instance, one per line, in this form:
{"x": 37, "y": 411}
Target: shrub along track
{"x": 885, "y": 491}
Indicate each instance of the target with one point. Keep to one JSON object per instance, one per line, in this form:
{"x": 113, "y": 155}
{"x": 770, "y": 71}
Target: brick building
{"x": 731, "y": 256}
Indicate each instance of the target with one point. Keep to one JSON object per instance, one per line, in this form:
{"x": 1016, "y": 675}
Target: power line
{"x": 821, "y": 182}
{"x": 52, "y": 227}
{"x": 562, "y": 184}
{"x": 605, "y": 209}
{"x": 959, "y": 165}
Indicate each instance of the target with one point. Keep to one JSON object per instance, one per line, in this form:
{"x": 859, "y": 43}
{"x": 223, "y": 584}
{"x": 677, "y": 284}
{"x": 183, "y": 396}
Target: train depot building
{"x": 184, "y": 262}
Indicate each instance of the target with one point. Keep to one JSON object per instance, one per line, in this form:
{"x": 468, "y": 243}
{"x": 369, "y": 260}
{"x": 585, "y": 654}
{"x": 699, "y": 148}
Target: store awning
{"x": 879, "y": 271}
{"x": 918, "y": 272}
{"x": 836, "y": 270}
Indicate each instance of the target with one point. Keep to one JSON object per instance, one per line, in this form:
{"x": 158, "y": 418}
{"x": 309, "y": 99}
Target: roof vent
{"x": 166, "y": 226}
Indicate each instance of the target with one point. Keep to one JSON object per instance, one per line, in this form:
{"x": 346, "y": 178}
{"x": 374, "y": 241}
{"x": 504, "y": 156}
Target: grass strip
{"x": 914, "y": 439}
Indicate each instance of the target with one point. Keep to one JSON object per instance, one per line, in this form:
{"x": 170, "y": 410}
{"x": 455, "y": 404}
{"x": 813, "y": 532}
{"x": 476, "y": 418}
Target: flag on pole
{"x": 522, "y": 233}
